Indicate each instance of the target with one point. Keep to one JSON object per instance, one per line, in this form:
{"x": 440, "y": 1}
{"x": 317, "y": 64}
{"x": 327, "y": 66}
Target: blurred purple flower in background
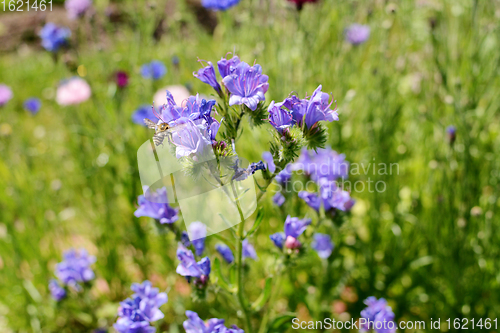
{"x": 195, "y": 325}
{"x": 32, "y": 105}
{"x": 219, "y": 4}
{"x": 324, "y": 163}
{"x": 379, "y": 314}
{"x": 136, "y": 313}
{"x": 451, "y": 132}
{"x": 207, "y": 75}
{"x": 278, "y": 239}
{"x": 311, "y": 199}
{"x": 323, "y": 245}
{"x": 5, "y": 94}
{"x": 198, "y": 232}
{"x": 57, "y": 292}
{"x": 247, "y": 85}
{"x": 160, "y": 210}
{"x": 334, "y": 197}
{"x": 75, "y": 267}
{"x": 154, "y": 70}
{"x": 269, "y": 160}
{"x": 294, "y": 227}
{"x": 357, "y": 33}
{"x": 225, "y": 252}
{"x": 144, "y": 111}
{"x": 249, "y": 250}
{"x": 77, "y": 8}
{"x": 278, "y": 199}
{"x": 284, "y": 175}
{"x": 53, "y": 36}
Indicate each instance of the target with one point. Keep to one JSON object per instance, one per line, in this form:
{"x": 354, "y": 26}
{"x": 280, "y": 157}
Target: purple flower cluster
{"x": 225, "y": 252}
{"x": 378, "y": 314}
{"x": 74, "y": 269}
{"x": 195, "y": 325}
{"x": 189, "y": 268}
{"x": 160, "y": 210}
{"x": 195, "y": 129}
{"x": 294, "y": 227}
{"x": 246, "y": 84}
{"x": 219, "y": 4}
{"x": 324, "y": 163}
{"x": 53, "y": 36}
{"x": 137, "y": 313}
{"x": 305, "y": 113}
{"x": 154, "y": 70}
{"x": 330, "y": 195}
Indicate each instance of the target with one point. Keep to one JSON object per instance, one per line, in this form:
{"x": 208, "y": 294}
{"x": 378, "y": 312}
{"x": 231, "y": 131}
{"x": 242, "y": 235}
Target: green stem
{"x": 239, "y": 262}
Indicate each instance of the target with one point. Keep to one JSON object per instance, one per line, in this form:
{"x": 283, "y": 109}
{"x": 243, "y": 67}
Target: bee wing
{"x": 159, "y": 137}
{"x": 149, "y": 123}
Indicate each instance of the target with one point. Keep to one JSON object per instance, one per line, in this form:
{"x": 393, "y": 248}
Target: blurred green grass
{"x": 426, "y": 65}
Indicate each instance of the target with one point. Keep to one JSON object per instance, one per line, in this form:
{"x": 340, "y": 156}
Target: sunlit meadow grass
{"x": 428, "y": 243}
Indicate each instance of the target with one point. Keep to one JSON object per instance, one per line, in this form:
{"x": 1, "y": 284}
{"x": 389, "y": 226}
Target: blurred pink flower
{"x": 73, "y": 91}
{"x": 5, "y": 94}
{"x": 77, "y": 8}
{"x": 180, "y": 94}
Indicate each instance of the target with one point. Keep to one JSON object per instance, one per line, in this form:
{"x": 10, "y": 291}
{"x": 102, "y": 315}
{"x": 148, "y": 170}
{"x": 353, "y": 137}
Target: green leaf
{"x": 222, "y": 282}
{"x": 258, "y": 221}
{"x": 259, "y": 302}
{"x": 281, "y": 323}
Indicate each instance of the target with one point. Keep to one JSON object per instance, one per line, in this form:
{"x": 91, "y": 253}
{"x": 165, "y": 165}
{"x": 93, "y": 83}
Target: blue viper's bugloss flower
{"x": 145, "y": 290}
{"x": 189, "y": 140}
{"x": 451, "y": 132}
{"x": 160, "y": 210}
{"x": 154, "y": 70}
{"x": 57, "y": 292}
{"x": 323, "y": 245}
{"x": 77, "y": 8}
{"x": 334, "y": 197}
{"x": 75, "y": 267}
{"x": 195, "y": 325}
{"x": 185, "y": 239}
{"x": 198, "y": 232}
{"x": 294, "y": 227}
{"x": 227, "y": 66}
{"x": 225, "y": 252}
{"x": 357, "y": 33}
{"x": 247, "y": 85}
{"x": 278, "y": 199}
{"x": 280, "y": 118}
{"x": 284, "y": 175}
{"x": 318, "y": 109}
{"x": 196, "y": 108}
{"x": 278, "y": 239}
{"x": 324, "y": 163}
{"x": 136, "y": 313}
{"x": 219, "y": 4}
{"x": 189, "y": 267}
{"x": 249, "y": 250}
{"x": 207, "y": 75}
{"x": 32, "y": 105}
{"x": 377, "y": 311}
{"x": 269, "y": 160}
{"x": 144, "y": 111}
{"x": 5, "y": 94}
{"x": 312, "y": 199}
{"x": 53, "y": 36}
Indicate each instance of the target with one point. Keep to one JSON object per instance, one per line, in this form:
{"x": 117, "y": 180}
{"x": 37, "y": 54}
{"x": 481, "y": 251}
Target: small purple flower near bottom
{"x": 378, "y": 314}
{"x": 269, "y": 160}
{"x": 278, "y": 239}
{"x": 188, "y": 266}
{"x": 160, "y": 210}
{"x": 323, "y": 245}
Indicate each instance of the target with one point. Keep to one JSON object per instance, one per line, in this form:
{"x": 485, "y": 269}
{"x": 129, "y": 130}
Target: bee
{"x": 161, "y": 130}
